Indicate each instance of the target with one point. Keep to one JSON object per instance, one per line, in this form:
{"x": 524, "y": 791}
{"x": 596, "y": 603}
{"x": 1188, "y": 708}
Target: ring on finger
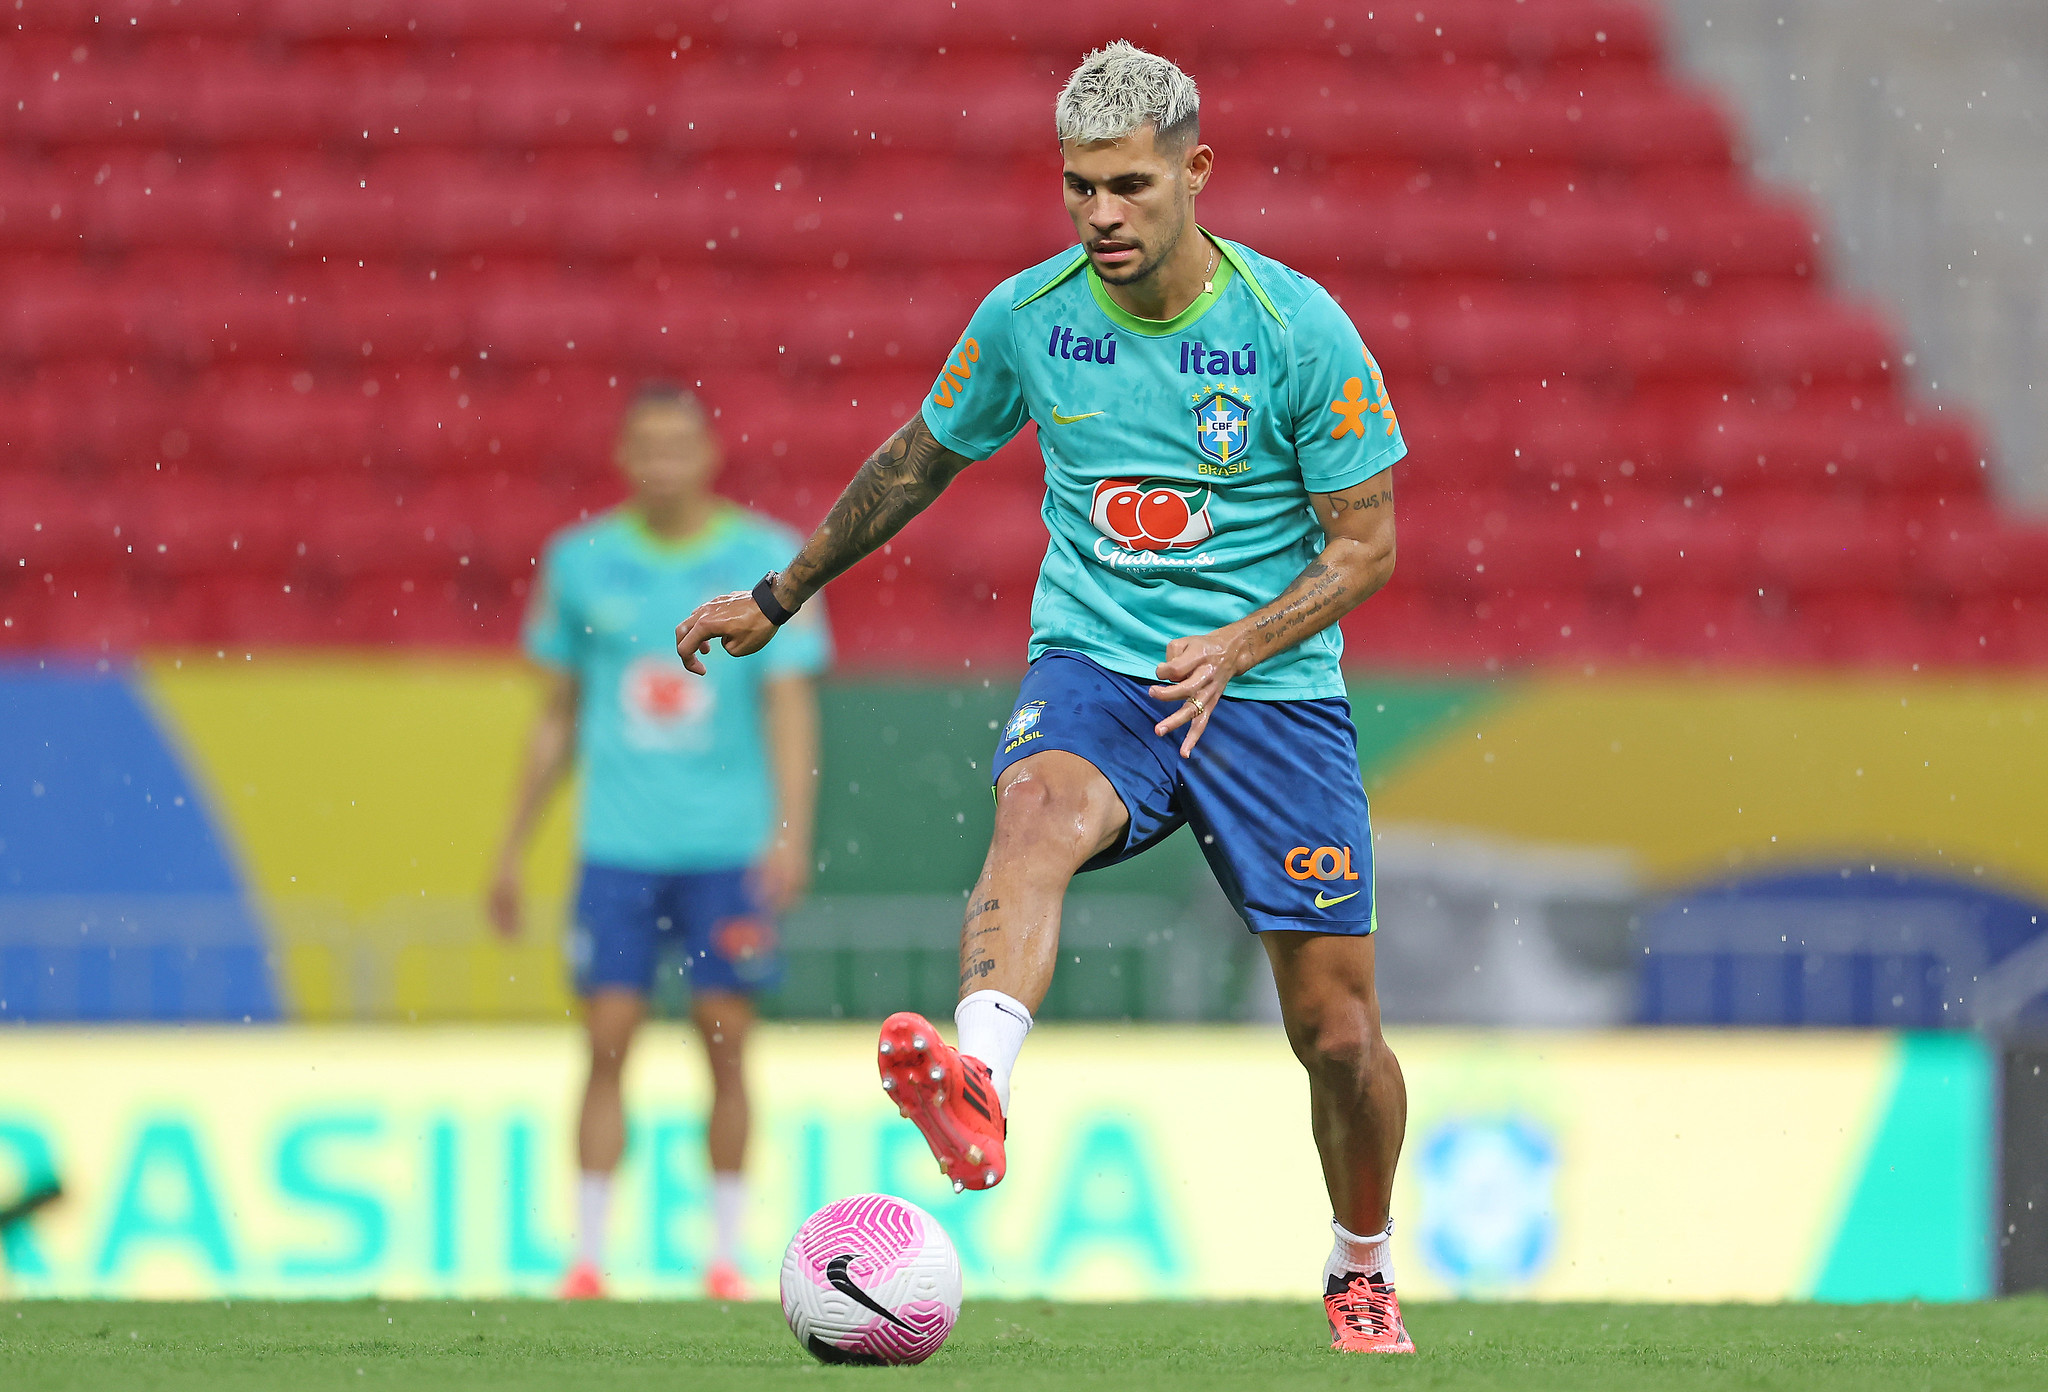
{"x": 1196, "y": 702}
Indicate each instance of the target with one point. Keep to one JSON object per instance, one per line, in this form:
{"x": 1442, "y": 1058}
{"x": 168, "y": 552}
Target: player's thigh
{"x": 724, "y": 1020}
{"x": 611, "y": 1017}
{"x": 1060, "y": 803}
{"x": 1329, "y": 997}
{"x": 1274, "y": 798}
{"x": 616, "y": 935}
{"x": 1077, "y": 765}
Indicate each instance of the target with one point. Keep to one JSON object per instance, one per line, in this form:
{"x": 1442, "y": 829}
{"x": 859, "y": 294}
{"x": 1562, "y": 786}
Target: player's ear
{"x": 1200, "y": 162}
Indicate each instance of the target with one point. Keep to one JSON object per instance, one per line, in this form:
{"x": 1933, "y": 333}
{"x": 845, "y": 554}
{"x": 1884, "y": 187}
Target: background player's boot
{"x": 584, "y": 1282}
{"x": 1365, "y": 1316}
{"x": 724, "y": 1282}
{"x": 948, "y": 1095}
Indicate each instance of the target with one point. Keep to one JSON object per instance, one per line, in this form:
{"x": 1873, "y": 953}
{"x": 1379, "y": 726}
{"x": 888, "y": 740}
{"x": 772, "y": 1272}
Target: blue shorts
{"x": 624, "y": 918}
{"x": 1272, "y": 791}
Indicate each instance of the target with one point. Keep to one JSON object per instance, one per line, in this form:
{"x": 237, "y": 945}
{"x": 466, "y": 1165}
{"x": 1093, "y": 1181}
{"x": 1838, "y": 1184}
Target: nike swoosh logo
{"x": 1058, "y": 419}
{"x": 1323, "y": 903}
{"x": 835, "y": 1273}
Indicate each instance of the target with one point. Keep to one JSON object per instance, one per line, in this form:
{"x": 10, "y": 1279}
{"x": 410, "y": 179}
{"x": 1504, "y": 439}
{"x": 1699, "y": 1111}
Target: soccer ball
{"x": 871, "y": 1279}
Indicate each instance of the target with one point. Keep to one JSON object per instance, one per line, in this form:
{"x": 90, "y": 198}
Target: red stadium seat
{"x": 330, "y": 307}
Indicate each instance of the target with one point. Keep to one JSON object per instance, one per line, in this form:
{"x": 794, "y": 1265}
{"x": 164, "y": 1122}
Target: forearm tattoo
{"x": 1320, "y": 587}
{"x": 1344, "y": 576}
{"x": 898, "y": 481}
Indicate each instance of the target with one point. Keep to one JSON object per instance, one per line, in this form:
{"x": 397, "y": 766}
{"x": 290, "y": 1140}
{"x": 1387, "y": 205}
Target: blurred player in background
{"x": 696, "y": 796}
{"x": 1218, "y": 452}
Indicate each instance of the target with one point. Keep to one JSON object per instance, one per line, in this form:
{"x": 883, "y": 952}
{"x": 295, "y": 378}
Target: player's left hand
{"x": 1195, "y": 672}
{"x": 782, "y": 875}
{"x": 734, "y": 619}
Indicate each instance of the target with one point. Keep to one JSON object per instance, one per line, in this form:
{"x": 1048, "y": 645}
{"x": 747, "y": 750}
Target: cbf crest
{"x": 1023, "y": 726}
{"x": 1223, "y": 423}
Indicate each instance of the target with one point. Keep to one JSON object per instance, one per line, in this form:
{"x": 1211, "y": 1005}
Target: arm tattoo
{"x": 898, "y": 481}
{"x": 1317, "y": 588}
{"x": 1368, "y": 499}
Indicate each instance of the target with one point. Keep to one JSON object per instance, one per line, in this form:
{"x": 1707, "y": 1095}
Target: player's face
{"x": 667, "y": 454}
{"x": 1131, "y": 200}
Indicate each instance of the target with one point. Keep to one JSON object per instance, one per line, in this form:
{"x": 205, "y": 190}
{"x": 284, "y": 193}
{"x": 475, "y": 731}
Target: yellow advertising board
{"x": 1144, "y": 1160}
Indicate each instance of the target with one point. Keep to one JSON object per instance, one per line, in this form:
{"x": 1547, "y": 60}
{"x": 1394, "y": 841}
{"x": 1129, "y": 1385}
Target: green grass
{"x": 1183, "y": 1347}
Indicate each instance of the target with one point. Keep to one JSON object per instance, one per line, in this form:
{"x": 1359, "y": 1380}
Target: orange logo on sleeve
{"x": 954, "y": 378}
{"x": 1354, "y": 406}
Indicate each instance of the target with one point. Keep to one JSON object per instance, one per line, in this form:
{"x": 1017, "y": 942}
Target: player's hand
{"x": 783, "y": 875}
{"x": 735, "y": 620}
{"x": 1195, "y": 672}
{"x": 503, "y": 901}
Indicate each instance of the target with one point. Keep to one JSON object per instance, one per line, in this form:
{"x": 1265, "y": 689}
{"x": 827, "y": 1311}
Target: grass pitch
{"x": 362, "y": 1345}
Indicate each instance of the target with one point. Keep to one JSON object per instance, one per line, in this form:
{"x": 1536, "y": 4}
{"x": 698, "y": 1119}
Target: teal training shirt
{"x": 1179, "y": 455}
{"x": 675, "y": 773}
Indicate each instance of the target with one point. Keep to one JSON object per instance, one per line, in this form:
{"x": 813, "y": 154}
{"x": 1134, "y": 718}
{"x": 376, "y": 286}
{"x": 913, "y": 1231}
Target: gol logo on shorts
{"x": 1322, "y": 863}
{"x": 743, "y": 939}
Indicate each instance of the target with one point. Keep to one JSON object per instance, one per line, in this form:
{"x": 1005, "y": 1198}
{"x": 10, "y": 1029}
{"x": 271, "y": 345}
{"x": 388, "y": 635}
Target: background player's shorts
{"x": 1272, "y": 792}
{"x": 625, "y": 918}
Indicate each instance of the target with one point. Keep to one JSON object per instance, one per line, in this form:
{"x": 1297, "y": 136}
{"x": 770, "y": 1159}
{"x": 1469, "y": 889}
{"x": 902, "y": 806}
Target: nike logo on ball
{"x": 1324, "y": 903}
{"x": 1058, "y": 419}
{"x": 835, "y": 1274}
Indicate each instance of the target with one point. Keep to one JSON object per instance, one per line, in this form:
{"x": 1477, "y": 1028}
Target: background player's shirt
{"x": 675, "y": 773}
{"x": 1179, "y": 455}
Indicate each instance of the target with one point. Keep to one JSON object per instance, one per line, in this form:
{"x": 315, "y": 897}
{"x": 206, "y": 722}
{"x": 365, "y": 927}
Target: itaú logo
{"x": 1322, "y": 863}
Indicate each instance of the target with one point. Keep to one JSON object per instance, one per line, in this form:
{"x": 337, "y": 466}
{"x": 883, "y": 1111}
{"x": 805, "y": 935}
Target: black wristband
{"x": 764, "y": 595}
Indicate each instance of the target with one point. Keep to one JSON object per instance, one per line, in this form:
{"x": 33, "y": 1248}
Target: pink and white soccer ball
{"x": 871, "y": 1279}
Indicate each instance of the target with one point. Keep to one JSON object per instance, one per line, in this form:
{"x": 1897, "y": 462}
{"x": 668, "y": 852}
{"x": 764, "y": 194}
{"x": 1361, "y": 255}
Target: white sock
{"x": 593, "y": 1211}
{"x": 728, "y": 1207}
{"x": 992, "y": 1028}
{"x": 1352, "y": 1254}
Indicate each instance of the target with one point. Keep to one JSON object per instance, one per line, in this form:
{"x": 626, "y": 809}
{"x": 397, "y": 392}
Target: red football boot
{"x": 1365, "y": 1316}
{"x": 949, "y": 1096}
{"x": 724, "y": 1282}
{"x": 584, "y": 1282}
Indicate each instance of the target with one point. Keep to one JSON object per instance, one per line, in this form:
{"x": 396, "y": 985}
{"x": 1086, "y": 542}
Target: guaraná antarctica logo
{"x": 1152, "y": 514}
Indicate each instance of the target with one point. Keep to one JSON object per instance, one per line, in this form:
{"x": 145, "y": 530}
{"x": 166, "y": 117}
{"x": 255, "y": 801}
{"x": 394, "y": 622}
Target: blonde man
{"x": 1219, "y": 492}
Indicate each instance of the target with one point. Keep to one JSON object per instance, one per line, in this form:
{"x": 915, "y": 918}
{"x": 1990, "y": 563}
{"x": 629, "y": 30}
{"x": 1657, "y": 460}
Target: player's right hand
{"x": 734, "y": 619}
{"x": 503, "y": 902}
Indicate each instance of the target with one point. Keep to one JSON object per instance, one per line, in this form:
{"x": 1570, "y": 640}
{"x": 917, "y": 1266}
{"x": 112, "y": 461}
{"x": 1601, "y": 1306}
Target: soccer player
{"x": 1218, "y": 447}
{"x": 696, "y": 796}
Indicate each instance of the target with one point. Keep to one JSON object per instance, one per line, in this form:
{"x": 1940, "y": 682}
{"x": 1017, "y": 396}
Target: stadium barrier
{"x": 344, "y": 1161}
{"x": 230, "y": 835}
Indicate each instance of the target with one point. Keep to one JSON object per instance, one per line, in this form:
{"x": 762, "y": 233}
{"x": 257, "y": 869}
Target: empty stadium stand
{"x": 316, "y": 316}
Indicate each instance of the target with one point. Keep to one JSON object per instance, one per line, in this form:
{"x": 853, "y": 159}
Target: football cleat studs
{"x": 917, "y": 1041}
{"x": 958, "y": 1186}
{"x": 937, "y": 1075}
{"x": 888, "y": 1085}
{"x": 988, "y": 1179}
{"x": 974, "y": 1155}
{"x": 903, "y": 1112}
{"x": 887, "y": 1047}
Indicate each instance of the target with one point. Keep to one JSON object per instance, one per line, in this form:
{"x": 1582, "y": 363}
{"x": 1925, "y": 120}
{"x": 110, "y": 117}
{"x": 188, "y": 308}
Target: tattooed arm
{"x": 1356, "y": 560}
{"x": 899, "y": 480}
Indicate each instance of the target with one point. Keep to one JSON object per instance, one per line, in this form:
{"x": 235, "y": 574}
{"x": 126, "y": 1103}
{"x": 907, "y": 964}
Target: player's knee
{"x": 1042, "y": 810}
{"x": 1339, "y": 1046}
{"x": 608, "y": 1054}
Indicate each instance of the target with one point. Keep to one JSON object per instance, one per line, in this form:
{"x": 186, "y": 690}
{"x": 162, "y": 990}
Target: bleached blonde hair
{"x": 1120, "y": 87}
